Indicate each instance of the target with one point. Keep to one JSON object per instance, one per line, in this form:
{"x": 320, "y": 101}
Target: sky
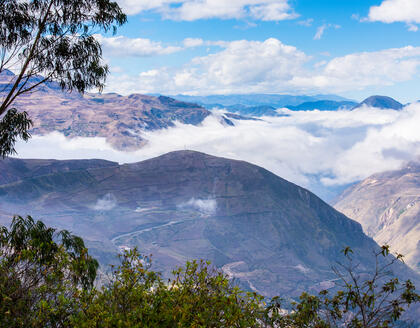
{"x": 353, "y": 48}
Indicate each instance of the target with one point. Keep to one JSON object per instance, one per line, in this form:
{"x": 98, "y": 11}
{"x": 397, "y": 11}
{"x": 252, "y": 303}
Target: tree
{"x": 42, "y": 272}
{"x": 377, "y": 300}
{"x": 198, "y": 296}
{"x": 50, "y": 40}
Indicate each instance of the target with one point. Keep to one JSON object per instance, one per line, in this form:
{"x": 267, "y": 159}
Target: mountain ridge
{"x": 388, "y": 207}
{"x": 273, "y": 236}
{"x": 120, "y": 119}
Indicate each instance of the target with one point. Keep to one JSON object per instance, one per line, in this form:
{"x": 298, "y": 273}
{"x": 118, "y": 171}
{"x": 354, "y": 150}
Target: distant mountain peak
{"x": 382, "y": 102}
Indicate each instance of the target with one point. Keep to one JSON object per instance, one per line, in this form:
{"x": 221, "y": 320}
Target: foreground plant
{"x": 47, "y": 277}
{"x": 198, "y": 296}
{"x": 50, "y": 40}
{"x": 42, "y": 272}
{"x": 372, "y": 299}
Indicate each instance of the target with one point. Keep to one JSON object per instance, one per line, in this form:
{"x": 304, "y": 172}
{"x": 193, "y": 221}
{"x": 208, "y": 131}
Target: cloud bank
{"x": 121, "y": 46}
{"x": 191, "y": 10}
{"x": 318, "y": 150}
{"x": 276, "y": 68}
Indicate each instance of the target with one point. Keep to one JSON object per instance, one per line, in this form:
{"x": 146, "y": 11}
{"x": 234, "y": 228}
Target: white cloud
{"x": 193, "y": 42}
{"x": 335, "y": 147}
{"x": 205, "y": 206}
{"x": 190, "y": 10}
{"x": 132, "y": 7}
{"x": 272, "y": 67}
{"x": 320, "y": 31}
{"x": 360, "y": 70}
{"x": 275, "y": 11}
{"x": 390, "y": 11}
{"x": 106, "y": 203}
{"x": 307, "y": 22}
{"x": 122, "y": 46}
{"x": 412, "y": 27}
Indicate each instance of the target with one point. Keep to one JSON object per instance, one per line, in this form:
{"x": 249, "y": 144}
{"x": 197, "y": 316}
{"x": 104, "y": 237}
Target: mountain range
{"x": 266, "y": 105}
{"x": 326, "y": 105}
{"x": 272, "y": 236}
{"x": 120, "y": 119}
{"x": 388, "y": 207}
{"x": 252, "y": 100}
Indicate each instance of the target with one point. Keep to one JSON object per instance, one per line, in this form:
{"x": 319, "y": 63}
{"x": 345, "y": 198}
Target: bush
{"x": 41, "y": 274}
{"x": 46, "y": 280}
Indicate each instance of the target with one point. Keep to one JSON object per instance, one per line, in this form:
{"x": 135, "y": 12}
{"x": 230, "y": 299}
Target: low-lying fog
{"x": 322, "y": 151}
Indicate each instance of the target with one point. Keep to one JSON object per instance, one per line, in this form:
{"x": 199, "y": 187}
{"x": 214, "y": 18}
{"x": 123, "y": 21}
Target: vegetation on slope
{"x": 47, "y": 280}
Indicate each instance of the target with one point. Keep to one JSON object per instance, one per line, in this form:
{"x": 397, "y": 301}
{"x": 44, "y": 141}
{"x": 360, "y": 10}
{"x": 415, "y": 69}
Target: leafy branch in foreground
{"x": 376, "y": 299}
{"x": 42, "y": 272}
{"x": 12, "y": 126}
{"x": 52, "y": 40}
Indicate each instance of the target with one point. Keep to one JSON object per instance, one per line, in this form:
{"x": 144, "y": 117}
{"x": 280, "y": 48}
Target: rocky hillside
{"x": 271, "y": 235}
{"x": 119, "y": 119}
{"x": 388, "y": 207}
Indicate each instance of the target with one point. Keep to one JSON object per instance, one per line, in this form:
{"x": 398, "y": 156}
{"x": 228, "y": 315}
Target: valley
{"x": 269, "y": 234}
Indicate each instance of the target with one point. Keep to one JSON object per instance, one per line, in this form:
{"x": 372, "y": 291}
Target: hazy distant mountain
{"x": 258, "y": 105}
{"x": 252, "y": 111}
{"x": 326, "y": 105}
{"x": 388, "y": 207}
{"x": 253, "y": 100}
{"x": 120, "y": 119}
{"x": 271, "y": 235}
{"x": 382, "y": 102}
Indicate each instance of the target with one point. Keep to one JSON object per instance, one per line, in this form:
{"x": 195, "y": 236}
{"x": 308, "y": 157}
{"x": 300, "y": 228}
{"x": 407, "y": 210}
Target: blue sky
{"x": 354, "y": 48}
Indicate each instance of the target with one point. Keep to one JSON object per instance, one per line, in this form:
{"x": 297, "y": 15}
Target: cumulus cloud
{"x": 390, "y": 11}
{"x": 106, "y": 203}
{"x": 360, "y": 70}
{"x": 190, "y": 10}
{"x": 276, "y": 68}
{"x": 205, "y": 206}
{"x": 314, "y": 149}
{"x": 122, "y": 46}
{"x": 273, "y": 66}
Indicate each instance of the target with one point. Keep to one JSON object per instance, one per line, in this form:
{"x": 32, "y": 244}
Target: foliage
{"x": 198, "y": 296}
{"x": 41, "y": 274}
{"x": 52, "y": 40}
{"x": 12, "y": 126}
{"x": 46, "y": 280}
{"x": 364, "y": 300}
